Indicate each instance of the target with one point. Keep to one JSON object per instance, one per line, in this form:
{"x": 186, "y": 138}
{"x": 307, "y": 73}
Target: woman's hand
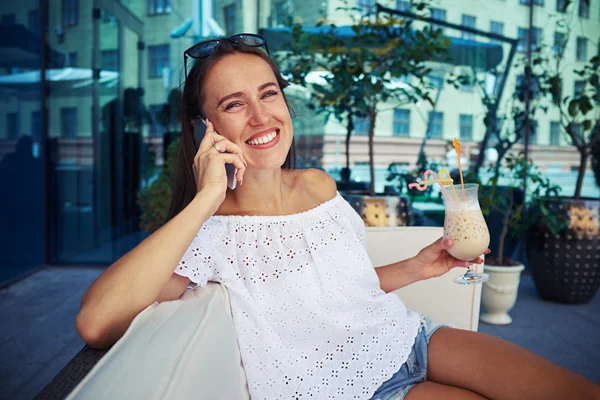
{"x": 434, "y": 260}
{"x": 209, "y": 164}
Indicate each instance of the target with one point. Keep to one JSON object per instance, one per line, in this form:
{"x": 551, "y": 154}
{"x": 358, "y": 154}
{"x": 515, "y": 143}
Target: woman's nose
{"x": 259, "y": 114}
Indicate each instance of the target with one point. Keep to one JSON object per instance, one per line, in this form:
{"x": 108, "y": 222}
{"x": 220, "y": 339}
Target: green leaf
{"x": 573, "y": 108}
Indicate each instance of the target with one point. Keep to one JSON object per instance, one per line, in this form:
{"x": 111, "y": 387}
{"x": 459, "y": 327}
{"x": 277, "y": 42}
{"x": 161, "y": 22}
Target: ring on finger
{"x": 216, "y": 147}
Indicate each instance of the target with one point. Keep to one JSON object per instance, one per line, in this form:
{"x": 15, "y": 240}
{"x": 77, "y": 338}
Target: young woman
{"x": 314, "y": 319}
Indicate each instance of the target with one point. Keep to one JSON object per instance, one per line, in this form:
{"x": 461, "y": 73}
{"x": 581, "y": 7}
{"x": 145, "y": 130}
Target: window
{"x": 9, "y": 19}
{"x": 522, "y": 34}
{"x": 72, "y": 59}
{"x": 365, "y": 6}
{"x": 436, "y": 124}
{"x": 554, "y": 133}
{"x": 440, "y": 15}
{"x": 402, "y": 5}
{"x": 581, "y": 54}
{"x": 68, "y": 122}
{"x": 578, "y": 88}
{"x": 361, "y": 126}
{"x": 159, "y": 59}
{"x": 156, "y": 129}
{"x": 110, "y": 60}
{"x": 584, "y": 8}
{"x": 12, "y": 125}
{"x": 561, "y": 5}
{"x": 33, "y": 21}
{"x": 36, "y": 124}
{"x": 497, "y": 28}
{"x": 559, "y": 44}
{"x": 536, "y": 2}
{"x": 401, "y": 122}
{"x": 70, "y": 12}
{"x": 159, "y": 7}
{"x": 229, "y": 16}
{"x": 466, "y": 127}
{"x": 469, "y": 22}
{"x": 281, "y": 13}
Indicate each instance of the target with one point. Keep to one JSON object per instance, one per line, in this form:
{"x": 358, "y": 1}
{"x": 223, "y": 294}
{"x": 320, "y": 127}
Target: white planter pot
{"x": 499, "y": 293}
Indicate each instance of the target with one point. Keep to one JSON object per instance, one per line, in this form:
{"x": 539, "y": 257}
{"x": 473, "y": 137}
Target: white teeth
{"x": 264, "y": 139}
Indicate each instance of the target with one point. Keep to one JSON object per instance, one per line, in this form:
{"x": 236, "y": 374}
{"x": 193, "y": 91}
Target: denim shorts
{"x": 414, "y": 370}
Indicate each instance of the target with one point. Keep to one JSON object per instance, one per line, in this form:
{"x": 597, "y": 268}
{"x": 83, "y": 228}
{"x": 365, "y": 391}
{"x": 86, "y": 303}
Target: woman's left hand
{"x": 434, "y": 260}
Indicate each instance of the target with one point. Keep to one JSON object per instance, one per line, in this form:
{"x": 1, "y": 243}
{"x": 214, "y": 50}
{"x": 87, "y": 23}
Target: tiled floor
{"x": 38, "y": 337}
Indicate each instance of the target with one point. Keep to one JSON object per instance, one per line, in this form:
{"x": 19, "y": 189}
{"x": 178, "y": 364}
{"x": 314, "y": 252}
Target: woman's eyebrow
{"x": 237, "y": 94}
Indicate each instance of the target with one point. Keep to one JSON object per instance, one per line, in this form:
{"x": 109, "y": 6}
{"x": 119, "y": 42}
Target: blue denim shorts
{"x": 414, "y": 370}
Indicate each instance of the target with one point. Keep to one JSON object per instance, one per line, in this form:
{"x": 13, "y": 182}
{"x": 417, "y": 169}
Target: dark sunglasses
{"x": 205, "y": 49}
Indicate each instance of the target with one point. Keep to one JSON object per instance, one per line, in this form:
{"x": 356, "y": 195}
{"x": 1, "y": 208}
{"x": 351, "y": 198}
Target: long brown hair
{"x": 184, "y": 185}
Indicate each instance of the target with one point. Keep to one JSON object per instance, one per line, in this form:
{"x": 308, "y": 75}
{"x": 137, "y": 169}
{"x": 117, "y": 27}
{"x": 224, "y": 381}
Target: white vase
{"x": 499, "y": 293}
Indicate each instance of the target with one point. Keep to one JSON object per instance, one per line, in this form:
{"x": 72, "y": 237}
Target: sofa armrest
{"x": 439, "y": 298}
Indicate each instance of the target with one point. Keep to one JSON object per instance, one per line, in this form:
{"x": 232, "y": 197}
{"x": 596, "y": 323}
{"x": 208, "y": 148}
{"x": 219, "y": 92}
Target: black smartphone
{"x": 230, "y": 169}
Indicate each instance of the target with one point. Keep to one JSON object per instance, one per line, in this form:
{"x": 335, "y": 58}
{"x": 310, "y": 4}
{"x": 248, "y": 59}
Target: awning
{"x": 479, "y": 55}
{"x": 68, "y": 78}
{"x": 21, "y": 48}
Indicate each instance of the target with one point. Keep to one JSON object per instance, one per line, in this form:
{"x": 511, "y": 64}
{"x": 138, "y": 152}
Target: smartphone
{"x": 230, "y": 169}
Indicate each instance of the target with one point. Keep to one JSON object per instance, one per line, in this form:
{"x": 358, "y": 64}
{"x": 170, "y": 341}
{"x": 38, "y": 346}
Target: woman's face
{"x": 246, "y": 105}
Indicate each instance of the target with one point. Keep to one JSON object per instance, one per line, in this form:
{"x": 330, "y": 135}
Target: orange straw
{"x": 456, "y": 145}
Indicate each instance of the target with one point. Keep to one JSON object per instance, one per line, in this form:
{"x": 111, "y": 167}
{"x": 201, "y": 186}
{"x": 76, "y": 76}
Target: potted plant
{"x": 499, "y": 293}
{"x": 564, "y": 258}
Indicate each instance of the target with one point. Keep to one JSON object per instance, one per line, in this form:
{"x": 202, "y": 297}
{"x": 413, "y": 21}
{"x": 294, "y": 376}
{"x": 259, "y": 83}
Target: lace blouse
{"x": 311, "y": 318}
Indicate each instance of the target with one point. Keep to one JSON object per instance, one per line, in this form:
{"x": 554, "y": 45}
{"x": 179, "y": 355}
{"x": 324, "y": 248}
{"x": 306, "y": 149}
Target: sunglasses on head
{"x": 206, "y": 48}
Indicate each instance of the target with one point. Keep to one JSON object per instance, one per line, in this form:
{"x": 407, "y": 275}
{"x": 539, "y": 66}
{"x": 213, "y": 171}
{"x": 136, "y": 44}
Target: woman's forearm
{"x": 397, "y": 275}
{"x": 135, "y": 280}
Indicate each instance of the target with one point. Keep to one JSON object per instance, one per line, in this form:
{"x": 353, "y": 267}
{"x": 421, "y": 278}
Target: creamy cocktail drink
{"x": 467, "y": 230}
{"x": 465, "y": 226}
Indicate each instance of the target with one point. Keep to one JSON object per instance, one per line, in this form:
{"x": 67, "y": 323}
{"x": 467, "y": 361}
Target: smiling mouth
{"x": 264, "y": 139}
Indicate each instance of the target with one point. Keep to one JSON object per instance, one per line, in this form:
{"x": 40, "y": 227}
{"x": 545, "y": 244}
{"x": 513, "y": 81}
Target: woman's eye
{"x": 270, "y": 93}
{"x": 234, "y": 104}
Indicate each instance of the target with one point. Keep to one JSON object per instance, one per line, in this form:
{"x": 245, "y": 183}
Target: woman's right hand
{"x": 209, "y": 164}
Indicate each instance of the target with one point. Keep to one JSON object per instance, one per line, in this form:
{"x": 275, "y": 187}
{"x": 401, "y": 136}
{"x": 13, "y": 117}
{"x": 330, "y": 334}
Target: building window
{"x": 68, "y": 122}
{"x": 72, "y": 59}
{"x": 497, "y": 28}
{"x": 36, "y": 124}
{"x": 578, "y": 88}
{"x": 522, "y": 35}
{"x": 156, "y": 129}
{"x": 361, "y": 126}
{"x": 159, "y": 7}
{"x": 365, "y": 6}
{"x": 12, "y": 125}
{"x": 9, "y": 19}
{"x": 561, "y": 5}
{"x": 581, "y": 54}
{"x": 70, "y": 12}
{"x": 469, "y": 22}
{"x": 554, "y": 133}
{"x": 536, "y": 2}
{"x": 466, "y": 127}
{"x": 436, "y": 124}
{"x": 584, "y": 8}
{"x": 33, "y": 21}
{"x": 159, "y": 59}
{"x": 229, "y": 16}
{"x": 560, "y": 41}
{"x": 438, "y": 14}
{"x": 110, "y": 60}
{"x": 402, "y": 5}
{"x": 281, "y": 13}
{"x": 401, "y": 122}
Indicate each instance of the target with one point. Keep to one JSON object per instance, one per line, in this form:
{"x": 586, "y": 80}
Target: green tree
{"x": 386, "y": 60}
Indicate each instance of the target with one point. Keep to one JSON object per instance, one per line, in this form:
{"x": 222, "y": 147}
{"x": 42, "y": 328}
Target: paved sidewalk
{"x": 38, "y": 337}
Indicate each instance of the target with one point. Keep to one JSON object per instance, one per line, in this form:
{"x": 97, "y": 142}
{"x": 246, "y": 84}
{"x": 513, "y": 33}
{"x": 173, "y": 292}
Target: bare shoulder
{"x": 318, "y": 183}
